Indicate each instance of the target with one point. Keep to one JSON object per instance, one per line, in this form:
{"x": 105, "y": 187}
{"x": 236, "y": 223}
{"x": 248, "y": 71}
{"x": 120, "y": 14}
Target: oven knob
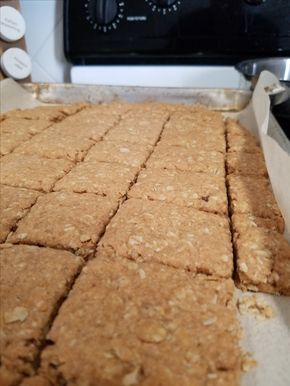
{"x": 255, "y": 2}
{"x": 163, "y": 7}
{"x": 103, "y": 12}
{"x": 164, "y": 3}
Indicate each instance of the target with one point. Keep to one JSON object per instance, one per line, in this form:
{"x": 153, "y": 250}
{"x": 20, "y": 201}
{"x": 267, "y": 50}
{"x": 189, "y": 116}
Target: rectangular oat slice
{"x": 103, "y": 178}
{"x": 66, "y": 220}
{"x": 9, "y": 142}
{"x": 33, "y": 282}
{"x": 186, "y": 159}
{"x": 144, "y": 325}
{"x": 80, "y": 126}
{"x": 246, "y": 164}
{"x": 14, "y": 204}
{"x": 127, "y": 153}
{"x": 180, "y": 237}
{"x": 196, "y": 190}
{"x": 239, "y": 139}
{"x": 52, "y": 113}
{"x": 185, "y": 124}
{"x": 263, "y": 255}
{"x": 54, "y": 143}
{"x": 196, "y": 141}
{"x": 253, "y": 195}
{"x": 32, "y": 172}
{"x": 32, "y": 127}
{"x": 142, "y": 127}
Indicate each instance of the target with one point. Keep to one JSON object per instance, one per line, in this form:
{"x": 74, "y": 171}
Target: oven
{"x": 177, "y": 43}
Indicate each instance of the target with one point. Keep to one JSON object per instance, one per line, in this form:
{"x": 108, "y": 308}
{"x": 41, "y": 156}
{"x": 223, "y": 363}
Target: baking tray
{"x": 268, "y": 341}
{"x": 221, "y": 99}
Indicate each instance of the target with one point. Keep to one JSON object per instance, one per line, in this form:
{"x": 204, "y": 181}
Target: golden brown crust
{"x": 103, "y": 178}
{"x": 253, "y": 195}
{"x": 32, "y": 172}
{"x": 195, "y": 190}
{"x": 29, "y": 300}
{"x": 263, "y": 255}
{"x": 141, "y": 329}
{"x": 187, "y": 159}
{"x": 246, "y": 164}
{"x": 66, "y": 221}
{"x": 181, "y": 237}
{"x": 14, "y": 204}
{"x": 130, "y": 154}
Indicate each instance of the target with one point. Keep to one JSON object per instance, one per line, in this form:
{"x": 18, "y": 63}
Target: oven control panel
{"x": 175, "y": 31}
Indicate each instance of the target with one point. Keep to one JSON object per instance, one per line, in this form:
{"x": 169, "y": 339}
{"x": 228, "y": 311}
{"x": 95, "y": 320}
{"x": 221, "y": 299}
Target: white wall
{"x": 44, "y": 39}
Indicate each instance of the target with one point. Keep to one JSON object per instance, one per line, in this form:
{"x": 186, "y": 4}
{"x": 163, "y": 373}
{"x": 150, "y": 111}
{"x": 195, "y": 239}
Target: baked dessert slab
{"x": 54, "y": 143}
{"x": 245, "y": 164}
{"x": 136, "y": 323}
{"x": 32, "y": 172}
{"x": 127, "y": 153}
{"x": 103, "y": 178}
{"x": 196, "y": 141}
{"x": 14, "y": 204}
{"x": 29, "y": 301}
{"x": 186, "y": 159}
{"x": 181, "y": 237}
{"x": 65, "y": 220}
{"x": 253, "y": 195}
{"x": 196, "y": 190}
{"x": 263, "y": 256}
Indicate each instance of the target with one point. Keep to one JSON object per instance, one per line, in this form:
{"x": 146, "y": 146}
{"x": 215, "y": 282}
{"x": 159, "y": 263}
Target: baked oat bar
{"x": 55, "y": 143}
{"x": 52, "y": 113}
{"x": 142, "y": 324}
{"x": 14, "y": 204}
{"x": 67, "y": 221}
{"x": 263, "y": 256}
{"x": 32, "y": 172}
{"x": 33, "y": 283}
{"x": 186, "y": 159}
{"x": 184, "y": 124}
{"x": 196, "y": 190}
{"x": 93, "y": 128}
{"x": 140, "y": 127}
{"x": 198, "y": 140}
{"x": 180, "y": 237}
{"x": 239, "y": 139}
{"x": 253, "y": 195}
{"x": 246, "y": 164}
{"x": 14, "y": 125}
{"x": 103, "y": 178}
{"x": 127, "y": 153}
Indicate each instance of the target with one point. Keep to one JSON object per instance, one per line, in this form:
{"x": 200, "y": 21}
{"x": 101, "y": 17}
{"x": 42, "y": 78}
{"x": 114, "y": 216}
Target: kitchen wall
{"x": 44, "y": 39}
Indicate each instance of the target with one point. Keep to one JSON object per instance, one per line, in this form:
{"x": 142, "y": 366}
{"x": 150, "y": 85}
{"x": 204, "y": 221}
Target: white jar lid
{"x": 12, "y": 24}
{"x": 16, "y": 63}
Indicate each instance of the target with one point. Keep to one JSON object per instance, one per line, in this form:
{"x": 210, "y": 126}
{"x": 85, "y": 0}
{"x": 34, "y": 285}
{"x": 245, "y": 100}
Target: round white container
{"x": 16, "y": 63}
{"x": 12, "y": 24}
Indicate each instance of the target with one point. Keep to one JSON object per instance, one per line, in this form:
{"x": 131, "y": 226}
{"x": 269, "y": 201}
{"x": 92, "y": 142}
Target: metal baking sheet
{"x": 268, "y": 341}
{"x": 221, "y": 99}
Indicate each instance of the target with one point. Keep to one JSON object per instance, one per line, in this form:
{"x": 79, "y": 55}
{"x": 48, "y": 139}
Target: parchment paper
{"x": 268, "y": 340}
